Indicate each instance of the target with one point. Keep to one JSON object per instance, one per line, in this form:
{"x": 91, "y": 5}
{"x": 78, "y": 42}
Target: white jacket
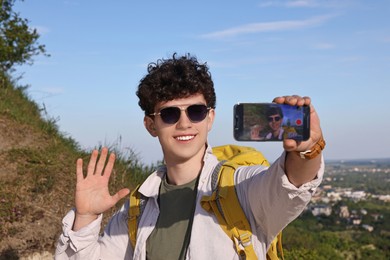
{"x": 269, "y": 200}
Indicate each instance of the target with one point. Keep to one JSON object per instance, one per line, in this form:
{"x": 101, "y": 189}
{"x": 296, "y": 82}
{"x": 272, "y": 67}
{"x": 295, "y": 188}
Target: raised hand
{"x": 92, "y": 195}
{"x": 298, "y": 170}
{"x": 315, "y": 128}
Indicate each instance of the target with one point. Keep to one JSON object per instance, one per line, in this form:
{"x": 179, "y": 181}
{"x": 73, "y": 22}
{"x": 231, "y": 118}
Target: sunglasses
{"x": 196, "y": 113}
{"x": 273, "y": 119}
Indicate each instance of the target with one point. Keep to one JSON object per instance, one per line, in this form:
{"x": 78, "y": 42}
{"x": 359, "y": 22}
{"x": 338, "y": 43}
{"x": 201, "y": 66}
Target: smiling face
{"x": 184, "y": 140}
{"x": 275, "y": 122}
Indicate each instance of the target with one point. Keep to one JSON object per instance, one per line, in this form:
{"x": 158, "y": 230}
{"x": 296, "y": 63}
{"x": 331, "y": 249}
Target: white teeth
{"x": 185, "y": 138}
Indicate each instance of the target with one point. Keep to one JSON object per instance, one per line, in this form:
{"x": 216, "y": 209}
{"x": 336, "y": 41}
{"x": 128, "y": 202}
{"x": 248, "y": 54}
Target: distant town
{"x": 349, "y": 191}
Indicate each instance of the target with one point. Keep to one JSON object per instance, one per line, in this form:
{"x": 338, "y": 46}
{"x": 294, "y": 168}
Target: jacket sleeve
{"x": 268, "y": 198}
{"x": 87, "y": 243}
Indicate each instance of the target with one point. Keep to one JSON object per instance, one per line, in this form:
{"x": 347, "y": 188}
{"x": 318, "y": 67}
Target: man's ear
{"x": 150, "y": 126}
{"x": 210, "y": 119}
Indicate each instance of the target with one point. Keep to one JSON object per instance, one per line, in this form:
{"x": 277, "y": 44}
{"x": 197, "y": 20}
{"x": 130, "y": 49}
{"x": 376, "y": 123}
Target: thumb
{"x": 121, "y": 194}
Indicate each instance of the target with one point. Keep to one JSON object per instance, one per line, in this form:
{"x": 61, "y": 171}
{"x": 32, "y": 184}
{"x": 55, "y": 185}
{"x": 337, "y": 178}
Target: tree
{"x": 18, "y": 42}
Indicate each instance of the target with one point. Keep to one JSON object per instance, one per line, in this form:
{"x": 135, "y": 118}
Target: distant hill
{"x": 380, "y": 162}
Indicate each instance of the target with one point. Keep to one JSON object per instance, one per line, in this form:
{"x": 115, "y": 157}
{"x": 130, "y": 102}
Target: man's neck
{"x": 277, "y": 132}
{"x": 179, "y": 174}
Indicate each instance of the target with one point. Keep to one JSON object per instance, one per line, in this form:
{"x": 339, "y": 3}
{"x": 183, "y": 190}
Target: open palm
{"x": 92, "y": 194}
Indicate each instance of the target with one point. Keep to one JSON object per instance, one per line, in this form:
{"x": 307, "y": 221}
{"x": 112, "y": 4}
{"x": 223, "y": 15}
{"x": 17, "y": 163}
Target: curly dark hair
{"x": 274, "y": 110}
{"x": 176, "y": 77}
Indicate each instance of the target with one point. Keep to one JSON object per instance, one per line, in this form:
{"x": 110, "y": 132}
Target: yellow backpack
{"x": 223, "y": 202}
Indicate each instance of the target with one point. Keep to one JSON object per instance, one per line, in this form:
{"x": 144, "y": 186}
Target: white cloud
{"x": 44, "y": 93}
{"x": 386, "y": 39}
{"x": 291, "y": 3}
{"x": 53, "y": 90}
{"x": 301, "y": 3}
{"x": 351, "y": 59}
{"x": 268, "y": 3}
{"x": 324, "y": 46}
{"x": 304, "y": 3}
{"x": 42, "y": 30}
{"x": 71, "y": 3}
{"x": 267, "y": 27}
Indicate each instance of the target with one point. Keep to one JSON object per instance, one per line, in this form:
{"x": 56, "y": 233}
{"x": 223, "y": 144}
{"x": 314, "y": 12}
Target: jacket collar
{"x": 150, "y": 187}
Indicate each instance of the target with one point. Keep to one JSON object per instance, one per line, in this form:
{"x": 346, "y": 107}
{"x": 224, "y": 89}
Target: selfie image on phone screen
{"x": 270, "y": 122}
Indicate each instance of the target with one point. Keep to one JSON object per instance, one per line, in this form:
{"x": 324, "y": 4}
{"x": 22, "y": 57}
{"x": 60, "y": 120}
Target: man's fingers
{"x": 301, "y": 101}
{"x": 278, "y": 100}
{"x": 289, "y": 145}
{"x": 294, "y": 100}
{"x": 121, "y": 194}
{"x": 92, "y": 162}
{"x": 109, "y": 166}
{"x": 79, "y": 170}
{"x": 102, "y": 161}
{"x": 307, "y": 100}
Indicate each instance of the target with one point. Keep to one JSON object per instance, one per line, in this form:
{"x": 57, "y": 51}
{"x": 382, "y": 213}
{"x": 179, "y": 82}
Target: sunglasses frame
{"x": 273, "y": 119}
{"x": 182, "y": 109}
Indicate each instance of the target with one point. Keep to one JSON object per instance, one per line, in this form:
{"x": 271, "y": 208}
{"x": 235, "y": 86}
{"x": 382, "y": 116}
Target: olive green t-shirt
{"x": 170, "y": 238}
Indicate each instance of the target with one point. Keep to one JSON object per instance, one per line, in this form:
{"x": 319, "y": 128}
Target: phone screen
{"x": 271, "y": 122}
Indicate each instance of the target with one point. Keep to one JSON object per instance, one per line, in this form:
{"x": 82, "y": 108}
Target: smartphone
{"x": 271, "y": 122}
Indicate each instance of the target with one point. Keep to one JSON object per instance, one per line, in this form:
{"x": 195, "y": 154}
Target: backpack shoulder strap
{"x": 276, "y": 249}
{"x": 225, "y": 205}
{"x": 137, "y": 204}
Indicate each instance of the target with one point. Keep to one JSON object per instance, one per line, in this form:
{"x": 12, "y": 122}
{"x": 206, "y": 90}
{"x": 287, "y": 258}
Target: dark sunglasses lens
{"x": 197, "y": 113}
{"x": 170, "y": 115}
{"x": 276, "y": 119}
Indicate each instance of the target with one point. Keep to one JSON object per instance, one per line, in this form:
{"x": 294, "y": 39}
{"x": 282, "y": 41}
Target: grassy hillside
{"x": 37, "y": 174}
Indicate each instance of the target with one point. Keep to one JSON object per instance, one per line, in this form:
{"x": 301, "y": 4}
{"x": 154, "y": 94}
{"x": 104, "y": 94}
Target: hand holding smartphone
{"x": 271, "y": 122}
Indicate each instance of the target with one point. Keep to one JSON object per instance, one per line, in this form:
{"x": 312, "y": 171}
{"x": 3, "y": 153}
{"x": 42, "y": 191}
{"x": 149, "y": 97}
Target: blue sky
{"x": 336, "y": 52}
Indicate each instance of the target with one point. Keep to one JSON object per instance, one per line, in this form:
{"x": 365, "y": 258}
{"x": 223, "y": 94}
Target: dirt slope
{"x": 36, "y": 179}
{"x": 37, "y": 176}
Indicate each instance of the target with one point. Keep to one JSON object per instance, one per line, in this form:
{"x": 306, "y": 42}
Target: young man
{"x": 177, "y": 96}
{"x": 275, "y": 118}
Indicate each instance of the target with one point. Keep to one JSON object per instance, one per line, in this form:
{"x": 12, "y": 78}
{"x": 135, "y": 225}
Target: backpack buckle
{"x": 245, "y": 239}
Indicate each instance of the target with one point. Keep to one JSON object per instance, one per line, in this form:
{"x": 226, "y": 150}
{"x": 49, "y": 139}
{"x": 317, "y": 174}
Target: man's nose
{"x": 184, "y": 121}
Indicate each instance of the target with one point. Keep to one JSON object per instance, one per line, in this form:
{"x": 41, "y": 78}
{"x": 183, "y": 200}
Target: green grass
{"x": 38, "y": 178}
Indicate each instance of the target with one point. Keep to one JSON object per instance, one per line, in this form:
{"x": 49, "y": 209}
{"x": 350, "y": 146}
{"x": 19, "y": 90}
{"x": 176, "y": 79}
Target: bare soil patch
{"x": 36, "y": 189}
